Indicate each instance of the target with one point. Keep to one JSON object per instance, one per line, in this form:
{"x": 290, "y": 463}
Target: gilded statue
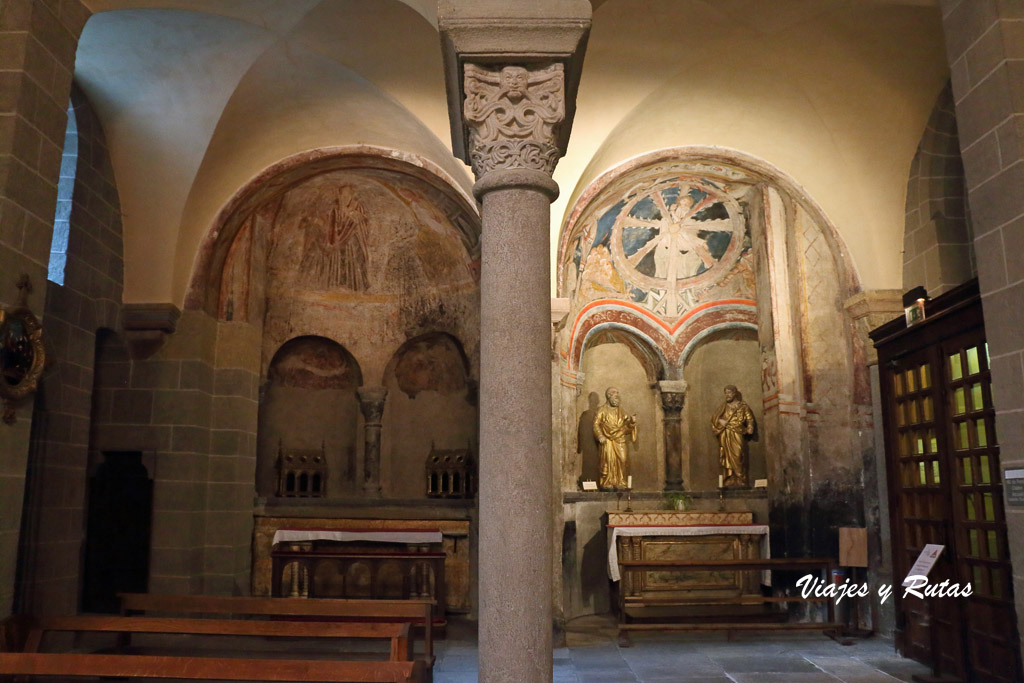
{"x": 611, "y": 427}
{"x": 732, "y": 423}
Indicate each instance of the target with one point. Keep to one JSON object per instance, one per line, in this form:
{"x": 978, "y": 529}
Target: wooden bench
{"x": 830, "y": 627}
{"x": 397, "y": 633}
{"x": 207, "y": 668}
{"x": 319, "y": 610}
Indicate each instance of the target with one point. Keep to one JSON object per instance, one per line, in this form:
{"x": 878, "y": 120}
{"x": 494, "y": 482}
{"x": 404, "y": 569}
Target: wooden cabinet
{"x": 944, "y": 480}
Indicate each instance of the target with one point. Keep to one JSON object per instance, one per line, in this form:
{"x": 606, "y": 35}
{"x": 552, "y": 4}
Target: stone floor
{"x": 592, "y": 656}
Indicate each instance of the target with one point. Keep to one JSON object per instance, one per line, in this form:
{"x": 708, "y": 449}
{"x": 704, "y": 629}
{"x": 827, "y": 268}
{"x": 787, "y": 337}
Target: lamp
{"x": 911, "y": 296}
{"x": 913, "y": 304}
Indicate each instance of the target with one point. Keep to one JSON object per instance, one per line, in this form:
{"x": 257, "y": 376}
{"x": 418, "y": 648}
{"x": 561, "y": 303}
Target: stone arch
{"x": 938, "y": 240}
{"x": 782, "y": 291}
{"x": 716, "y": 158}
{"x": 635, "y": 339}
{"x": 309, "y": 402}
{"x": 431, "y": 403}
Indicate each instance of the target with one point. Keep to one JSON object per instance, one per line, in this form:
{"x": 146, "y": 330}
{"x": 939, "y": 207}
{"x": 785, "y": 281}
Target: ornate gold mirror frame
{"x": 22, "y": 355}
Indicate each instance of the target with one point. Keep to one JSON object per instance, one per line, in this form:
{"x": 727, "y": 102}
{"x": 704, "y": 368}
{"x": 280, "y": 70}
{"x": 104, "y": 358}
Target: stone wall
{"x": 985, "y": 48}
{"x": 191, "y": 408}
{"x": 89, "y": 299}
{"x": 39, "y": 41}
{"x": 937, "y": 246}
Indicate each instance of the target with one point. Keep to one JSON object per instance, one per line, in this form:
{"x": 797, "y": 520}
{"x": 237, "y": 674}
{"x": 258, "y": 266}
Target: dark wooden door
{"x": 945, "y": 488}
{"x": 979, "y": 521}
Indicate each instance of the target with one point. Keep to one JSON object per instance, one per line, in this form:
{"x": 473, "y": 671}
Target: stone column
{"x": 515, "y": 394}
{"x": 673, "y": 393}
{"x": 371, "y": 404}
{"x": 512, "y": 70}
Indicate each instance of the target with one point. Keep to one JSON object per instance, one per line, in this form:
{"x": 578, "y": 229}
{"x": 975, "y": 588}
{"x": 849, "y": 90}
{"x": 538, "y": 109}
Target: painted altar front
{"x": 685, "y": 535}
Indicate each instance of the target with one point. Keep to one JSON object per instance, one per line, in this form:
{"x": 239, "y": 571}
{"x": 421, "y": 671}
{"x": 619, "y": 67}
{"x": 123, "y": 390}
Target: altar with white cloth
{"x": 353, "y": 562}
{"x": 690, "y": 535}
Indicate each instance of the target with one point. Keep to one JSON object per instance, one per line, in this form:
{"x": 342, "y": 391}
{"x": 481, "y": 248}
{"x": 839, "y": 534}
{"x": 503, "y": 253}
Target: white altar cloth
{"x": 372, "y": 535}
{"x": 613, "y": 556}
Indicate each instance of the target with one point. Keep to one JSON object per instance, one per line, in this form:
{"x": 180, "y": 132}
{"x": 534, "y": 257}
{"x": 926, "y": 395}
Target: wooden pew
{"x": 830, "y": 627}
{"x": 397, "y": 633}
{"x": 207, "y": 668}
{"x": 319, "y": 610}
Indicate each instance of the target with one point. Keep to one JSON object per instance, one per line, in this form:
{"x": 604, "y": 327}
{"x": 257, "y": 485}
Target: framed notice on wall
{"x": 1013, "y": 487}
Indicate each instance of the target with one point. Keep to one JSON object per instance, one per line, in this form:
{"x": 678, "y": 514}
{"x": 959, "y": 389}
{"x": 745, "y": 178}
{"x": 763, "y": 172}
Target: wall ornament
{"x": 22, "y": 355}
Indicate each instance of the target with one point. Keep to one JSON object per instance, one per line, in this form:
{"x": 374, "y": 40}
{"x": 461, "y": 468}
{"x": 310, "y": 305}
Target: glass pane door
{"x": 982, "y": 556}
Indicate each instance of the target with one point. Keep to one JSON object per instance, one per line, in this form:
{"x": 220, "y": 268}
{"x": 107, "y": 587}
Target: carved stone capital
{"x": 512, "y": 115}
{"x": 672, "y": 403}
{"x": 673, "y": 395}
{"x": 371, "y": 403}
{"x": 512, "y": 70}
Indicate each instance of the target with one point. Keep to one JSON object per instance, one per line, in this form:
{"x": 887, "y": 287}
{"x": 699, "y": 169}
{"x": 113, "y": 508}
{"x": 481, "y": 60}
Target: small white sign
{"x": 925, "y": 561}
{"x": 1013, "y": 474}
{"x": 760, "y": 483}
{"x": 590, "y": 486}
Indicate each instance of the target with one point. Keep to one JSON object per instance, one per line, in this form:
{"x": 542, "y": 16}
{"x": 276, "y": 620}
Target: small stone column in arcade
{"x": 673, "y": 394}
{"x": 371, "y": 404}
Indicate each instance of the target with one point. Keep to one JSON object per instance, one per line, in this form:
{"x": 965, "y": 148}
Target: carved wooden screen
{"x": 945, "y": 487}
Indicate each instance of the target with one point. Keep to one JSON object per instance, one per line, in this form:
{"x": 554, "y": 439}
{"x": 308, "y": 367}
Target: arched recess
{"x": 617, "y": 356}
{"x": 722, "y": 356}
{"x": 365, "y": 246}
{"x": 431, "y": 403}
{"x": 310, "y": 403}
{"x": 698, "y": 241}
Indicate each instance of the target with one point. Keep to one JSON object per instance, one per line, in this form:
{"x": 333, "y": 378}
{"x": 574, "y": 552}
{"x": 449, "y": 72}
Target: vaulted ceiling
{"x": 197, "y": 97}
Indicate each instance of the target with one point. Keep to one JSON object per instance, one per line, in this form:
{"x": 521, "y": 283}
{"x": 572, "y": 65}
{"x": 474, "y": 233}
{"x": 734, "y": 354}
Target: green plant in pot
{"x": 678, "y": 500}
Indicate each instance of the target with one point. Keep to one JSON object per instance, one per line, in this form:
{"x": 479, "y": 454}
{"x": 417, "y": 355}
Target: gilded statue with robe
{"x": 732, "y": 423}
{"x": 612, "y": 425}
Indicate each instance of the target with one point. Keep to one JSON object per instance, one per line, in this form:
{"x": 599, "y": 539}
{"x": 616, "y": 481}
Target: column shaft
{"x": 515, "y": 429}
{"x": 371, "y": 404}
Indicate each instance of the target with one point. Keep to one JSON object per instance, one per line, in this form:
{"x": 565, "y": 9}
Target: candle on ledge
{"x": 720, "y": 481}
{"x": 629, "y": 482}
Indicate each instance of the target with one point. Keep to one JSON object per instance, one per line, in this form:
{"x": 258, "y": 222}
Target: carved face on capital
{"x": 514, "y": 81}
{"x": 613, "y": 397}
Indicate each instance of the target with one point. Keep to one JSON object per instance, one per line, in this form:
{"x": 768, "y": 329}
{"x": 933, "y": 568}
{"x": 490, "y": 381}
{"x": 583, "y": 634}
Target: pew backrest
{"x": 397, "y": 633}
{"x": 309, "y": 609}
{"x": 207, "y": 668}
